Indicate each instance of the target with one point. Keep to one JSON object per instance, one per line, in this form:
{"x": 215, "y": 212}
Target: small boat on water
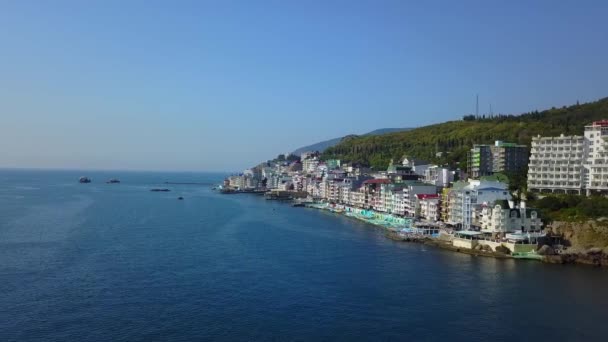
{"x": 84, "y": 179}
{"x": 180, "y": 198}
{"x": 113, "y": 181}
{"x": 160, "y": 190}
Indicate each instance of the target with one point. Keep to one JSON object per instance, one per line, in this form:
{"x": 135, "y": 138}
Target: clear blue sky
{"x": 221, "y": 85}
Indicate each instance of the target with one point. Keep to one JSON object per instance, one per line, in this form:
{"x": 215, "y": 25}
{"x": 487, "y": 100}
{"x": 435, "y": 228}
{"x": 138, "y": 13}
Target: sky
{"x": 223, "y": 85}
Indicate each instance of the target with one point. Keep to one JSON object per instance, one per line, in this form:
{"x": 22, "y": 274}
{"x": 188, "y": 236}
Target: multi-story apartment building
{"x": 438, "y": 176}
{"x": 557, "y": 164}
{"x": 596, "y": 166}
{"x": 410, "y": 190}
{"x": 310, "y": 164}
{"x": 372, "y": 190}
{"x": 571, "y": 164}
{"x": 357, "y": 198}
{"x": 485, "y": 160}
{"x": 467, "y": 197}
{"x": 504, "y": 217}
{"x": 429, "y": 207}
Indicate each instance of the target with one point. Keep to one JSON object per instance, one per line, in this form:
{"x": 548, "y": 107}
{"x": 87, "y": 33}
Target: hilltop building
{"x": 439, "y": 176}
{"x": 485, "y": 160}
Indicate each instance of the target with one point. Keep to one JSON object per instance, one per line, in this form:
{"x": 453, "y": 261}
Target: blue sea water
{"x": 116, "y": 262}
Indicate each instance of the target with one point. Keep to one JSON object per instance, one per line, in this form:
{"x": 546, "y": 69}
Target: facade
{"x": 429, "y": 207}
{"x": 465, "y": 198}
{"x": 439, "y": 176}
{"x": 596, "y": 166}
{"x": 309, "y": 165}
{"x": 503, "y": 217}
{"x": 333, "y": 164}
{"x": 410, "y": 190}
{"x": 418, "y": 166}
{"x": 557, "y": 164}
{"x": 480, "y": 161}
{"x": 571, "y": 164}
{"x": 485, "y": 160}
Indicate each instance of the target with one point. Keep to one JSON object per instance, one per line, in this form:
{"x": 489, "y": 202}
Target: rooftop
{"x": 427, "y": 196}
{"x": 603, "y": 123}
{"x": 377, "y": 181}
{"x": 469, "y": 233}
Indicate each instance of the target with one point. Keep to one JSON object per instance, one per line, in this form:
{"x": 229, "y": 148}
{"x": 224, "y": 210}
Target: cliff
{"x": 586, "y": 242}
{"x": 581, "y": 236}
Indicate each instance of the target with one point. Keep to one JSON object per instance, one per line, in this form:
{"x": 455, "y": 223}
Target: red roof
{"x": 425, "y": 196}
{"x": 602, "y": 123}
{"x": 377, "y": 181}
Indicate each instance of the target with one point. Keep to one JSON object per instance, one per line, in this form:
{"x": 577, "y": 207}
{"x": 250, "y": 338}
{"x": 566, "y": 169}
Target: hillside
{"x": 454, "y": 138}
{"x": 323, "y": 145}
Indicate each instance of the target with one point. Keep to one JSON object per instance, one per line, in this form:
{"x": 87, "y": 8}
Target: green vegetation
{"x": 571, "y": 208}
{"x": 448, "y": 143}
{"x": 289, "y": 158}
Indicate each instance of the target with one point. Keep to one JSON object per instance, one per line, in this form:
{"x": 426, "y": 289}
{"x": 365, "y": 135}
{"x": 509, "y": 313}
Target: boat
{"x": 180, "y": 198}
{"x": 160, "y": 190}
{"x": 113, "y": 181}
{"x": 84, "y": 179}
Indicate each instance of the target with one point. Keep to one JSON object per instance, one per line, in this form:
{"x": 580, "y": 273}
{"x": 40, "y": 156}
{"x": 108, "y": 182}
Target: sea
{"x": 117, "y": 262}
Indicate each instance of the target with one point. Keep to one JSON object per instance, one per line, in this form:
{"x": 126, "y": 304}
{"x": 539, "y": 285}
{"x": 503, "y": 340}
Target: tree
{"x": 292, "y": 157}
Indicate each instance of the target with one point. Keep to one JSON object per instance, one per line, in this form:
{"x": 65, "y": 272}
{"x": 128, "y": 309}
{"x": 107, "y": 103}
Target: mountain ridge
{"x": 448, "y": 143}
{"x": 323, "y": 145}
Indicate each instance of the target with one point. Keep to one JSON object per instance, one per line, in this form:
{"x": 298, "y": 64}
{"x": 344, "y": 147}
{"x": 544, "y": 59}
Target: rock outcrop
{"x": 546, "y": 250}
{"x": 581, "y": 235}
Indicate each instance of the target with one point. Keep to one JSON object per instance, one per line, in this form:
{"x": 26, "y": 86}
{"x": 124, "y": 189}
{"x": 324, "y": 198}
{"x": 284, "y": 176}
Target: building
{"x": 418, "y": 166}
{"x": 485, "y": 160}
{"x": 557, "y": 164}
{"x": 410, "y": 190}
{"x": 479, "y": 161}
{"x": 571, "y": 164}
{"x": 439, "y": 176}
{"x": 333, "y": 164}
{"x": 310, "y": 164}
{"x": 596, "y": 167}
{"x": 429, "y": 207}
{"x": 465, "y": 198}
{"x": 504, "y": 217}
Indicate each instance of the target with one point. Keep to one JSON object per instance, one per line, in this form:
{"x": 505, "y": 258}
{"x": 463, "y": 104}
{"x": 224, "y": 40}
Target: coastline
{"x": 595, "y": 259}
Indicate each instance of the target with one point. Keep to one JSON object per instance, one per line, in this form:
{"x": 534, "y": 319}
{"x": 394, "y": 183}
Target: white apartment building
{"x": 309, "y": 165}
{"x": 466, "y": 197}
{"x": 556, "y": 164}
{"x": 429, "y": 207}
{"x": 410, "y": 190}
{"x": 504, "y": 217}
{"x": 571, "y": 164}
{"x": 438, "y": 176}
{"x": 357, "y": 198}
{"x": 596, "y": 166}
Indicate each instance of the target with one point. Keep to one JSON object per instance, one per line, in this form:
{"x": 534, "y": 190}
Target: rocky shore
{"x": 446, "y": 244}
{"x": 568, "y": 233}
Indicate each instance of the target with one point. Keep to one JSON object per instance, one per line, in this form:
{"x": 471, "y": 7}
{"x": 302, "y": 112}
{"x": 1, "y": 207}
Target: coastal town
{"x": 469, "y": 210}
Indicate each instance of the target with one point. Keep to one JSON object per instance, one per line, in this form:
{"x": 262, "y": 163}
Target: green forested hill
{"x": 455, "y": 138}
